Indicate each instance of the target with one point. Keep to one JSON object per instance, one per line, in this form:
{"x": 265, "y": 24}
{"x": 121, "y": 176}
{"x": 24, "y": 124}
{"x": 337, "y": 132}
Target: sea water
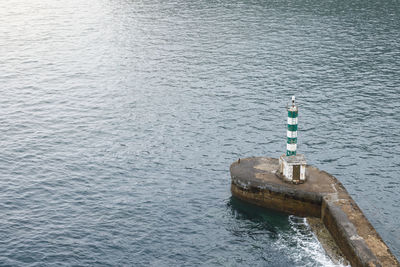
{"x": 119, "y": 120}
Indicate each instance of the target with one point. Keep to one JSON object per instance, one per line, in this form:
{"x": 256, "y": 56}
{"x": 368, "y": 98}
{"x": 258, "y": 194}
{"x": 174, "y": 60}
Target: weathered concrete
{"x": 323, "y": 196}
{"x": 326, "y": 240}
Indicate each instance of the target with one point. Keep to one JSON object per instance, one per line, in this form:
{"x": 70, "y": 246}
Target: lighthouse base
{"x": 293, "y": 168}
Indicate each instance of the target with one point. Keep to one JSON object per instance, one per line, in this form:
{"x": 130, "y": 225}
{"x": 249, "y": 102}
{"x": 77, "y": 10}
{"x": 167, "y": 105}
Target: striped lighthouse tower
{"x": 291, "y": 145}
{"x": 292, "y": 166}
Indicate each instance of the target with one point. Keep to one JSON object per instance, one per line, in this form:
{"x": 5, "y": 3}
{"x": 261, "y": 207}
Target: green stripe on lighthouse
{"x": 292, "y": 127}
{"x": 292, "y": 114}
{"x": 290, "y": 153}
{"x": 292, "y": 140}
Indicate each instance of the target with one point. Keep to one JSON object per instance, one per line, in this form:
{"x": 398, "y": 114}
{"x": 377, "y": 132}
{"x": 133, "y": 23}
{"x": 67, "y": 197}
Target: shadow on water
{"x": 272, "y": 220}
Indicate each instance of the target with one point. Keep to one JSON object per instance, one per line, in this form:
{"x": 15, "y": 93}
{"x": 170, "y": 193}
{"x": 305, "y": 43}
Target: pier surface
{"x": 322, "y": 195}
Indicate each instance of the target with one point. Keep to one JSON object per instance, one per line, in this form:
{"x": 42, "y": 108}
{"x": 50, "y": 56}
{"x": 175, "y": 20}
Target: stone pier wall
{"x": 322, "y": 196}
{"x": 278, "y": 201}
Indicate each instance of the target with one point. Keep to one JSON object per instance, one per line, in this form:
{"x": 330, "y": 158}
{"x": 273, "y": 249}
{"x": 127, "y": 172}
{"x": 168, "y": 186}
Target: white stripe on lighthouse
{"x": 291, "y": 147}
{"x": 292, "y": 121}
{"x": 291, "y": 134}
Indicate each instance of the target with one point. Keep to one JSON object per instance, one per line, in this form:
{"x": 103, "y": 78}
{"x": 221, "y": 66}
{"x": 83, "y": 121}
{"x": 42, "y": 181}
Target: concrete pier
{"x": 255, "y": 180}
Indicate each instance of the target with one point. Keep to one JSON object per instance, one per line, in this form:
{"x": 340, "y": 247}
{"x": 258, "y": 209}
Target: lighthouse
{"x": 292, "y": 166}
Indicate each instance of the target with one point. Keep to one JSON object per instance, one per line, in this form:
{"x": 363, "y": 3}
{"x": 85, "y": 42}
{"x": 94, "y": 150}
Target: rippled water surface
{"x": 119, "y": 120}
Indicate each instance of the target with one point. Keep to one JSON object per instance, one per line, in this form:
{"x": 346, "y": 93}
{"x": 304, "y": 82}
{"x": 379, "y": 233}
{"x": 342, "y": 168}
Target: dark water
{"x": 119, "y": 120}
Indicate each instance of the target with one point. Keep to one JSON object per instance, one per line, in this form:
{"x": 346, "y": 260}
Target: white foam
{"x": 302, "y": 247}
